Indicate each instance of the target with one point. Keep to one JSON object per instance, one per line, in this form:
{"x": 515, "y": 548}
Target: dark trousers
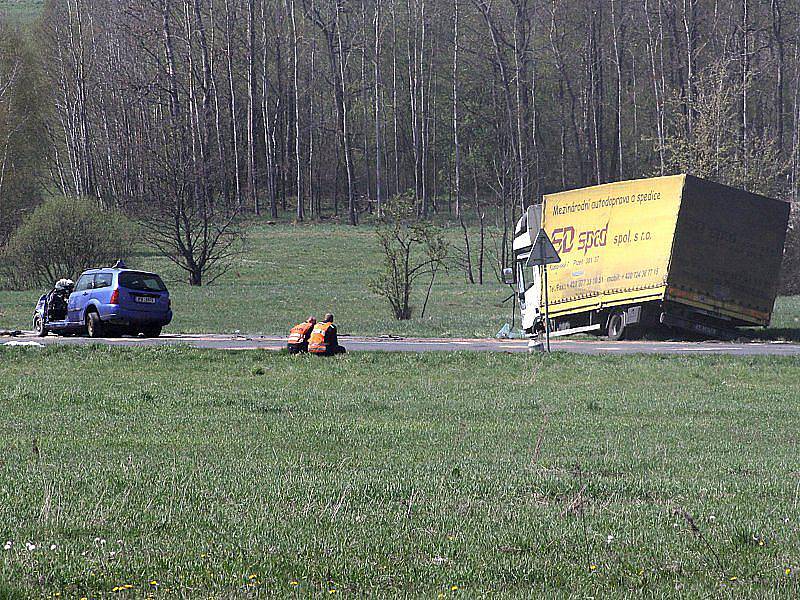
{"x": 332, "y": 350}
{"x": 297, "y": 348}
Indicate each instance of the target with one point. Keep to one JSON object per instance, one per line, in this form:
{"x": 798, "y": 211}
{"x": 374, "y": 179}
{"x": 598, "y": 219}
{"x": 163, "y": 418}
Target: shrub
{"x": 411, "y": 248}
{"x": 61, "y": 238}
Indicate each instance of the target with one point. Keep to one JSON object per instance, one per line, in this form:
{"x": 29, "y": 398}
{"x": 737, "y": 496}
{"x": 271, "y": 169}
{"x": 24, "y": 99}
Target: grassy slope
{"x": 290, "y": 272}
{"x": 403, "y": 474}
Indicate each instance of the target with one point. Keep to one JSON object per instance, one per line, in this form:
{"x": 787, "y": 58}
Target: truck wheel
{"x": 38, "y": 326}
{"x": 616, "y": 326}
{"x": 152, "y": 332}
{"x": 94, "y": 326}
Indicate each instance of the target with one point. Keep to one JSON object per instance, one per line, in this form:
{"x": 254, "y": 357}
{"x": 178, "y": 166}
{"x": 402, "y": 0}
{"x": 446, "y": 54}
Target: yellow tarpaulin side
{"x": 614, "y": 240}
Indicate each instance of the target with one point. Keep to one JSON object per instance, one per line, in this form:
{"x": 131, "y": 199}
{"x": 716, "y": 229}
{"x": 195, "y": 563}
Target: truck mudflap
{"x": 706, "y": 329}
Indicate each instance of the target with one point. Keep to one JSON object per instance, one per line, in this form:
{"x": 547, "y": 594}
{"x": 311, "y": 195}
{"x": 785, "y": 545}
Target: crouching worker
{"x": 298, "y": 336}
{"x": 324, "y": 341}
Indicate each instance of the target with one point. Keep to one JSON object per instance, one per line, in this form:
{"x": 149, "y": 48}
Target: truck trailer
{"x": 675, "y": 251}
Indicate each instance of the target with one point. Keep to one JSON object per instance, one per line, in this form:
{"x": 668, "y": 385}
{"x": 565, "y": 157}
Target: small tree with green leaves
{"x": 61, "y": 238}
{"x": 706, "y": 139}
{"x": 412, "y": 248}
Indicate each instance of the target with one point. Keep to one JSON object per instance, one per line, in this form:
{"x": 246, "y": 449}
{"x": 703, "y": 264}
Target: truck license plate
{"x": 146, "y": 299}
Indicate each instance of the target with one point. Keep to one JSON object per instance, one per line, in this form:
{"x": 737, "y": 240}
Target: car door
{"x": 80, "y": 298}
{"x": 101, "y": 288}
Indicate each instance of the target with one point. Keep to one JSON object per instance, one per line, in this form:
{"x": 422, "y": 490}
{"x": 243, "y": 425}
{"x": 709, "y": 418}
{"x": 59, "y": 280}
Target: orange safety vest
{"x": 299, "y": 333}
{"x": 318, "y": 342}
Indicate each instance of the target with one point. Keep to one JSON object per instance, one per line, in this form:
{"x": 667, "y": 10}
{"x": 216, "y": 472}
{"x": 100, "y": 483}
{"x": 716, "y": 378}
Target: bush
{"x": 412, "y": 248}
{"x": 61, "y": 238}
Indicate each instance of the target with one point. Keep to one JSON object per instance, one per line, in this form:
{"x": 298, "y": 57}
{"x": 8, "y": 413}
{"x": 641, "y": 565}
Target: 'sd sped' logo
{"x": 564, "y": 239}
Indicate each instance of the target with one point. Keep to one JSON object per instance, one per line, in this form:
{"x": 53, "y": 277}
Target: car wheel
{"x": 616, "y": 326}
{"x": 38, "y": 326}
{"x": 94, "y": 326}
{"x": 152, "y": 332}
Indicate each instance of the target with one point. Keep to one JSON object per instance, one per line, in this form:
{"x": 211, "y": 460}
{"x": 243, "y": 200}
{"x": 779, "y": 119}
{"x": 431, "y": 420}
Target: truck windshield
{"x": 142, "y": 282}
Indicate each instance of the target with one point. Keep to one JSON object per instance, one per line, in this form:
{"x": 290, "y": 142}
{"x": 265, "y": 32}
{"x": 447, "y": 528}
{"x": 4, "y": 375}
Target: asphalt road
{"x": 392, "y": 344}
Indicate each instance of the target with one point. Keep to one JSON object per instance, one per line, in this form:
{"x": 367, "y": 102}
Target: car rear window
{"x": 142, "y": 282}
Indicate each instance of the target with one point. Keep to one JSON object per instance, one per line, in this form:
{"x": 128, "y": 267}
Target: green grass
{"x": 290, "y": 272}
{"x": 396, "y": 474}
{"x": 21, "y": 11}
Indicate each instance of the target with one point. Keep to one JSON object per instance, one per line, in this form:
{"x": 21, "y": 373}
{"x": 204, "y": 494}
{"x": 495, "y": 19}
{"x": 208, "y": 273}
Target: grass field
{"x": 402, "y": 475}
{"x": 21, "y": 11}
{"x": 291, "y": 271}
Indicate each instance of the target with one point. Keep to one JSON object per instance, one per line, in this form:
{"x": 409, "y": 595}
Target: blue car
{"x": 108, "y": 301}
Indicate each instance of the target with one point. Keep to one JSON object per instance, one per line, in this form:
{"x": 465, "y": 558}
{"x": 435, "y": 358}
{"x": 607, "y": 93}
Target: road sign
{"x": 543, "y": 252}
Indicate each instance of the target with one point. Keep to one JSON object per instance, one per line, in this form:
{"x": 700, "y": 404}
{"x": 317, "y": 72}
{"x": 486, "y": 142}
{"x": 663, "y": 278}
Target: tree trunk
{"x": 377, "y": 100}
{"x": 252, "y": 192}
{"x": 232, "y": 106}
{"x": 345, "y": 128}
{"x": 298, "y": 158}
{"x": 269, "y": 139}
{"x": 618, "y": 63}
{"x": 456, "y": 141}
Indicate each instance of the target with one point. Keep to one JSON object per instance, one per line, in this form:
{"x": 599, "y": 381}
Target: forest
{"x": 190, "y": 114}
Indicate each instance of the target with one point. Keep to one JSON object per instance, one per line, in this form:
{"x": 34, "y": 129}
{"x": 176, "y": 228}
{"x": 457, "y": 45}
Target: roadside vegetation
{"x": 61, "y": 238}
{"x": 291, "y": 271}
{"x": 139, "y": 472}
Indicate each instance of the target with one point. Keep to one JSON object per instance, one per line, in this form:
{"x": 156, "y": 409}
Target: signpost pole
{"x": 542, "y": 254}
{"x": 546, "y": 309}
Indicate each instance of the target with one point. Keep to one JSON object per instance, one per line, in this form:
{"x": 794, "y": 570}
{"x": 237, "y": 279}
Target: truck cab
{"x": 526, "y": 281}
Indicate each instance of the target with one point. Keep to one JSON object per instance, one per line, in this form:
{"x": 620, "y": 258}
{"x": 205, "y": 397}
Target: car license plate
{"x": 146, "y": 299}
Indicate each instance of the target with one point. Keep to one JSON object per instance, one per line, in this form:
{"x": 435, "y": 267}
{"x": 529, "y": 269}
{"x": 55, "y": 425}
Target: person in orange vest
{"x": 298, "y": 336}
{"x": 324, "y": 340}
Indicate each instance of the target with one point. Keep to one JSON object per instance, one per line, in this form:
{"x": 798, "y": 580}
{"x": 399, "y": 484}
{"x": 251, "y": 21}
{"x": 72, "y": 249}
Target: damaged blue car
{"x": 105, "y": 302}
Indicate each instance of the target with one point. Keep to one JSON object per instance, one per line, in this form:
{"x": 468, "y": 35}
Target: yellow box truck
{"x": 677, "y": 251}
